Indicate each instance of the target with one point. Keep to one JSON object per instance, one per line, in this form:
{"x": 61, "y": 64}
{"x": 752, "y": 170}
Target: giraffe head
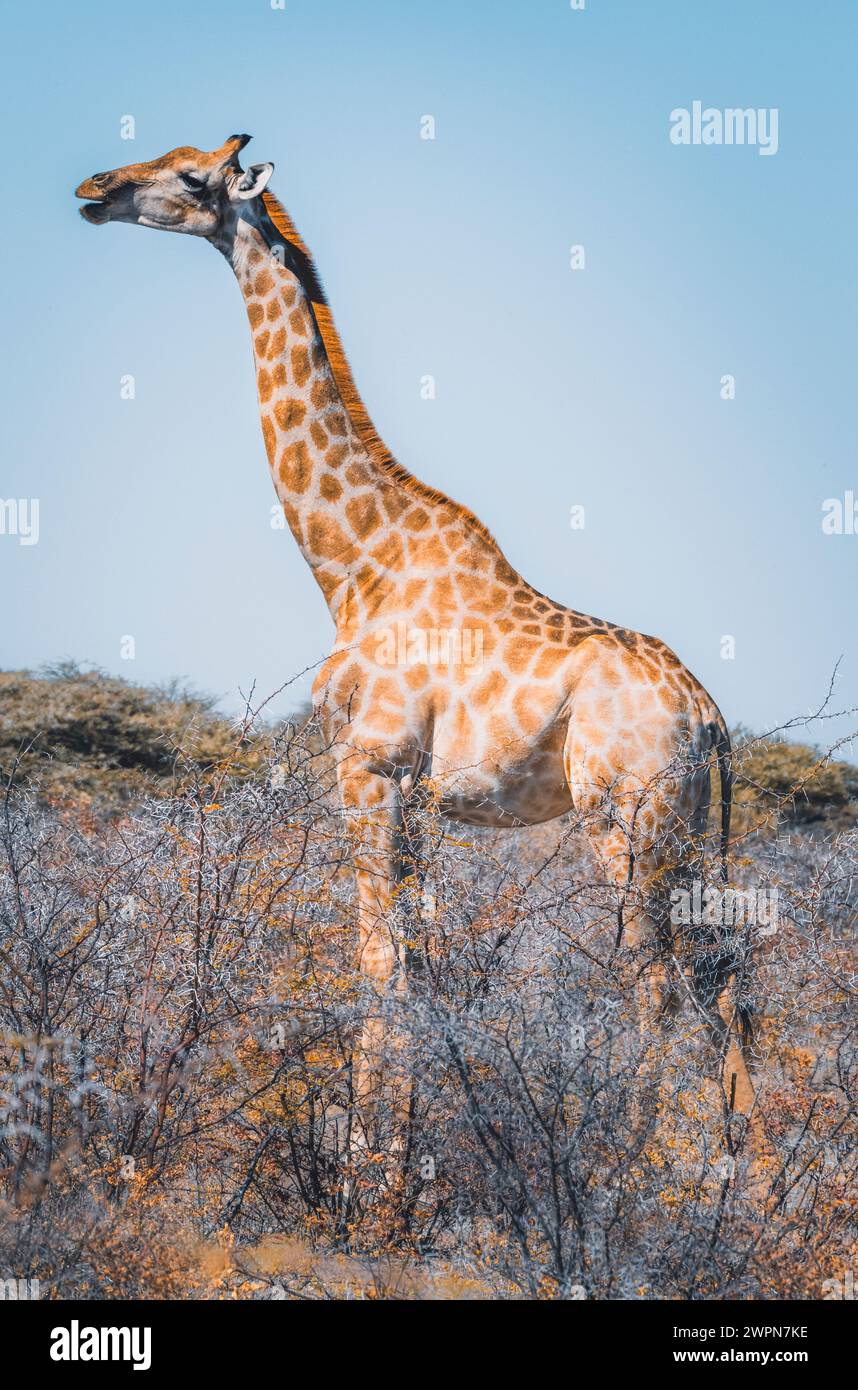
{"x": 186, "y": 190}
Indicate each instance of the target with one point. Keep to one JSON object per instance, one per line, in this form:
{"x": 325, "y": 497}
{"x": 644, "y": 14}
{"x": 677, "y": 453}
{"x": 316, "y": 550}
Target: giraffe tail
{"x": 721, "y": 954}
{"x": 710, "y": 976}
{"x": 724, "y": 752}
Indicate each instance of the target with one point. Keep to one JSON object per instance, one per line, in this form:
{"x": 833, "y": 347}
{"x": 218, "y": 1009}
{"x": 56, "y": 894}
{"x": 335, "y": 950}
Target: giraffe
{"x": 449, "y": 670}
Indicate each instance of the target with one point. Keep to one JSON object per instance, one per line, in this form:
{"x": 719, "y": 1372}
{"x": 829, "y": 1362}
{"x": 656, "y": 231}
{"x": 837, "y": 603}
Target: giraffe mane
{"x": 357, "y": 411}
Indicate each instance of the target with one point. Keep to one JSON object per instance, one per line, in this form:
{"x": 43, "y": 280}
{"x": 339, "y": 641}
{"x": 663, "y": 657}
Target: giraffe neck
{"x": 345, "y": 499}
{"x": 319, "y": 466}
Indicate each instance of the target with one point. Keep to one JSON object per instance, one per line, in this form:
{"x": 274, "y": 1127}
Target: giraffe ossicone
{"x": 560, "y": 712}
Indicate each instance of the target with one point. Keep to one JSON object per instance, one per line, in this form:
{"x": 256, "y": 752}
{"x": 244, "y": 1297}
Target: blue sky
{"x": 598, "y": 388}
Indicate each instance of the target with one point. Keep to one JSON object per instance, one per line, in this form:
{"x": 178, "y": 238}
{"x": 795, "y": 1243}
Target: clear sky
{"x": 555, "y": 387}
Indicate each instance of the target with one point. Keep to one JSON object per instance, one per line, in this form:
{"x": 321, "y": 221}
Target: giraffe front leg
{"x": 375, "y": 806}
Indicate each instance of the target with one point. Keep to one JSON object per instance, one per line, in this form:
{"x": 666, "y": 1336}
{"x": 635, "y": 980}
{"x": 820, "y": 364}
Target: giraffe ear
{"x": 253, "y": 180}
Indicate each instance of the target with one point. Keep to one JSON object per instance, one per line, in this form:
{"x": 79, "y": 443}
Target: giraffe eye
{"x": 194, "y": 184}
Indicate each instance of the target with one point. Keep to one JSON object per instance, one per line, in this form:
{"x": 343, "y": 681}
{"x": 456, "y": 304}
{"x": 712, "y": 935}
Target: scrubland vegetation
{"x": 179, "y": 1007}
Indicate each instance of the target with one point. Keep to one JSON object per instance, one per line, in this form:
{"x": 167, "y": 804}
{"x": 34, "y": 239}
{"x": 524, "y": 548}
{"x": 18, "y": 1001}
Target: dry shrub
{"x": 178, "y": 1015}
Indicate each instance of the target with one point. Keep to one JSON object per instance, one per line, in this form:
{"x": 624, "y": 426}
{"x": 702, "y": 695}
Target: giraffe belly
{"x": 503, "y": 786}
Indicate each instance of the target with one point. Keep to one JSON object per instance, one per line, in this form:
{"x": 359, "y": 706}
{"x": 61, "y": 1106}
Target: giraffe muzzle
{"x": 96, "y": 209}
{"x": 102, "y": 193}
{"x": 96, "y": 213}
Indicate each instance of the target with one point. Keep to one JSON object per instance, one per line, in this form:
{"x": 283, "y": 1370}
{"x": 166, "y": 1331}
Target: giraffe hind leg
{"x": 646, "y": 828}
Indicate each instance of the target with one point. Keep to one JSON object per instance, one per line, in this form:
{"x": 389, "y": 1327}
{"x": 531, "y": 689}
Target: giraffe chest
{"x": 491, "y": 741}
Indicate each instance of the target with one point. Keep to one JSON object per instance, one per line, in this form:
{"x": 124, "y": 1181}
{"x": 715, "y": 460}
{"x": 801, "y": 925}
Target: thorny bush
{"x": 179, "y": 1007}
